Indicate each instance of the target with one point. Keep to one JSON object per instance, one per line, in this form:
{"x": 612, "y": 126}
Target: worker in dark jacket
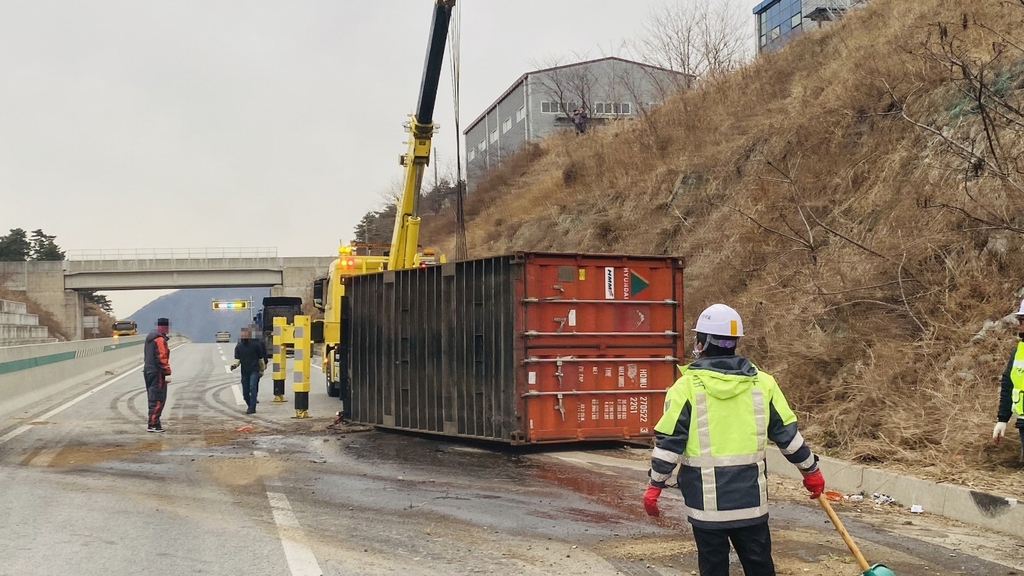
{"x": 718, "y": 418}
{"x": 1011, "y": 392}
{"x": 157, "y": 371}
{"x": 251, "y": 356}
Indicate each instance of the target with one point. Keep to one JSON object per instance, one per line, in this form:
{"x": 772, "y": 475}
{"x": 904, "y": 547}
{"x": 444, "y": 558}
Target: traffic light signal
{"x": 229, "y": 304}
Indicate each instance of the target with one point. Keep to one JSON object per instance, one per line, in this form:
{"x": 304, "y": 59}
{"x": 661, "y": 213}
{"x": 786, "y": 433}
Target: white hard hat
{"x": 1021, "y": 311}
{"x": 721, "y": 320}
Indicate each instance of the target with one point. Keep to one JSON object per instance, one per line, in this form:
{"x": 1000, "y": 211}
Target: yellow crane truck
{"x": 354, "y": 259}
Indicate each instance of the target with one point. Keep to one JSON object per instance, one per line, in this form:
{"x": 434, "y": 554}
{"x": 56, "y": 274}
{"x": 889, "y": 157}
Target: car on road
{"x": 223, "y": 337}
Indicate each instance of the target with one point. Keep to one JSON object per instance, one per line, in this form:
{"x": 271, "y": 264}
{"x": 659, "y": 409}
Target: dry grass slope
{"x": 850, "y": 196}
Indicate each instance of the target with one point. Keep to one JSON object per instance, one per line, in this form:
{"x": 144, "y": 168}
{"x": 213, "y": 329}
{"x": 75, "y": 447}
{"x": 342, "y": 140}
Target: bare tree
{"x": 988, "y": 120}
{"x": 567, "y": 85}
{"x": 696, "y": 37}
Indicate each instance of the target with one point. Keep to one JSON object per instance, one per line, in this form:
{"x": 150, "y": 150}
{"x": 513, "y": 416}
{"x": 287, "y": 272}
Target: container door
{"x": 601, "y": 342}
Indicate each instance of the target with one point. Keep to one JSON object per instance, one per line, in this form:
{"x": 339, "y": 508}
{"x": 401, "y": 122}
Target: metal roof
{"x": 764, "y": 6}
{"x": 541, "y": 71}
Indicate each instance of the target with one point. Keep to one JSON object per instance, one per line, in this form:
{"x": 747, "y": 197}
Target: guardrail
{"x": 171, "y": 254}
{"x": 34, "y": 373}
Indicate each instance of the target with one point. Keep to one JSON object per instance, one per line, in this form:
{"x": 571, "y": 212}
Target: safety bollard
{"x": 301, "y": 364}
{"x": 282, "y": 335}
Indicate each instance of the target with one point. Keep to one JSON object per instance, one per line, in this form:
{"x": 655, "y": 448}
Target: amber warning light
{"x": 229, "y": 304}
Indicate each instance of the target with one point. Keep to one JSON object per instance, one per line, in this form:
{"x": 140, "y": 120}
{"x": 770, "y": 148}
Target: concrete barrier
{"x": 31, "y": 373}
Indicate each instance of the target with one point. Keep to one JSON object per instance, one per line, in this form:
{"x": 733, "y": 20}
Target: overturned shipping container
{"x": 523, "y": 348}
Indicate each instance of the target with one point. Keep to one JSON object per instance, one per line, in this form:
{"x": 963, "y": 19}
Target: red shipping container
{"x": 523, "y": 348}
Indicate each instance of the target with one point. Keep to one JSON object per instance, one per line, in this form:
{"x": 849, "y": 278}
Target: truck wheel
{"x": 333, "y": 390}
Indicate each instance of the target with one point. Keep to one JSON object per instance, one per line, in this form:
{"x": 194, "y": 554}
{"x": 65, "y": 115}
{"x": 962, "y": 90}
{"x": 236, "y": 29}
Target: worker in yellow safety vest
{"x": 1011, "y": 391}
{"x": 718, "y": 418}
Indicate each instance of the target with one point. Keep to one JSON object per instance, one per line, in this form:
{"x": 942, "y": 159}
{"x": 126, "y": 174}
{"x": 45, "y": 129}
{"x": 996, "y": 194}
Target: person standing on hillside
{"x": 157, "y": 371}
{"x": 1011, "y": 389}
{"x": 579, "y": 120}
{"x": 718, "y": 416}
{"x": 250, "y": 355}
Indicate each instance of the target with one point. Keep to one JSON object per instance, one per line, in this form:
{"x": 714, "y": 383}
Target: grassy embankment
{"x": 852, "y": 195}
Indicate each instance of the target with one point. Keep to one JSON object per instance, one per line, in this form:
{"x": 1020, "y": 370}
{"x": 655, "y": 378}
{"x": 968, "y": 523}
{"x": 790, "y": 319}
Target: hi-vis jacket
{"x": 1011, "y": 393}
{"x": 718, "y": 417}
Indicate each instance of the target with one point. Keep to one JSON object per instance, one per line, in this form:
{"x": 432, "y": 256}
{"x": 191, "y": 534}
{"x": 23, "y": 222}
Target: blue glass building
{"x": 777, "y": 22}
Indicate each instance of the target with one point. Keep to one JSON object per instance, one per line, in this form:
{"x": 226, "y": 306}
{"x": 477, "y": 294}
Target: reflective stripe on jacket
{"x": 718, "y": 417}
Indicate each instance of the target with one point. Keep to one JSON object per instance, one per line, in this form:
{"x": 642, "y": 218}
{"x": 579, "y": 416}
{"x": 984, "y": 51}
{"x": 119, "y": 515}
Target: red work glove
{"x": 815, "y": 483}
{"x": 651, "y": 500}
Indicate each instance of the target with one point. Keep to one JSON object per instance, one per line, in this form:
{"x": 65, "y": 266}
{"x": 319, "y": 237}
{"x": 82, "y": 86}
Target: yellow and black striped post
{"x": 300, "y": 368}
{"x": 282, "y": 335}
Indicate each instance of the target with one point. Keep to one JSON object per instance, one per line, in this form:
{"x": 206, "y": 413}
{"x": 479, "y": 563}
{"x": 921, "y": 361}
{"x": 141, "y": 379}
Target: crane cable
{"x": 454, "y": 28}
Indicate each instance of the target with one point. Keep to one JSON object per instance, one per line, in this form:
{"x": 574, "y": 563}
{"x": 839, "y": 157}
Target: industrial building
{"x": 542, "y": 101}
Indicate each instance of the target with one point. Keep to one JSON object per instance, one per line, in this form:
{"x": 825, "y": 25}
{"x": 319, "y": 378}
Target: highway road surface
{"x": 85, "y": 490}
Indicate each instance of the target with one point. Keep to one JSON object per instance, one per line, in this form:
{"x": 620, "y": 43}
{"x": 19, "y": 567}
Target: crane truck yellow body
{"x": 403, "y": 252}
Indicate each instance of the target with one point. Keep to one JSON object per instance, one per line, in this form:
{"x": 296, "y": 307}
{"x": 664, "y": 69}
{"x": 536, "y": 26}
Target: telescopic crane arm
{"x": 405, "y": 238}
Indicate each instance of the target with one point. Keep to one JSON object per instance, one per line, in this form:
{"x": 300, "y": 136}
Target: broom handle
{"x": 842, "y": 532}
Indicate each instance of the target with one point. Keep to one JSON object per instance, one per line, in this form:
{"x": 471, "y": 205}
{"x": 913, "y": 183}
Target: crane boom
{"x": 405, "y": 238}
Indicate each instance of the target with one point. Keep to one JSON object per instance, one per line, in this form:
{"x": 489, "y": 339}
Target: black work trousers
{"x": 156, "y": 390}
{"x": 753, "y": 545}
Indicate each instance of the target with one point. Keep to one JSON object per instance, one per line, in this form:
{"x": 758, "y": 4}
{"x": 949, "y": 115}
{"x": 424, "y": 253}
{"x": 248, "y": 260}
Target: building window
{"x": 506, "y": 125}
{"x": 482, "y": 146}
{"x": 795, "y": 20}
{"x": 521, "y": 114}
{"x": 471, "y": 156}
{"x": 613, "y": 108}
{"x": 549, "y": 107}
{"x": 764, "y": 39}
{"x": 774, "y": 34}
{"x": 494, "y": 136}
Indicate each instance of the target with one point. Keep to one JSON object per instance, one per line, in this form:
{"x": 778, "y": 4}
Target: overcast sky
{"x": 215, "y": 123}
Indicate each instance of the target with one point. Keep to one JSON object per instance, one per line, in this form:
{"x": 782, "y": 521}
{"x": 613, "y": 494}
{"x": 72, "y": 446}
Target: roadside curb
{"x": 989, "y": 511}
{"x": 996, "y": 513}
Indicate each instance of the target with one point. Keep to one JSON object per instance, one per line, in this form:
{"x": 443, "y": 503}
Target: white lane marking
{"x": 301, "y": 560}
{"x": 261, "y": 454}
{"x": 227, "y": 369}
{"x": 65, "y": 406}
{"x": 237, "y": 390}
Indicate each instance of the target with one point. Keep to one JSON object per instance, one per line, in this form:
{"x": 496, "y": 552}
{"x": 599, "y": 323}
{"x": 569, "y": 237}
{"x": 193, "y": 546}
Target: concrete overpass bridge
{"x": 56, "y": 286}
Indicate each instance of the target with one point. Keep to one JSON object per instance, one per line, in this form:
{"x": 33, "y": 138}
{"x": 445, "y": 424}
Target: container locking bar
{"x": 561, "y": 300}
{"x": 560, "y": 407}
{"x": 534, "y": 393}
{"x": 561, "y": 359}
{"x": 535, "y": 333}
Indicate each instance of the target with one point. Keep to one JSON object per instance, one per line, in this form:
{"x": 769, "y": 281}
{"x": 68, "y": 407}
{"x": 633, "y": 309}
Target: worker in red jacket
{"x": 157, "y": 371}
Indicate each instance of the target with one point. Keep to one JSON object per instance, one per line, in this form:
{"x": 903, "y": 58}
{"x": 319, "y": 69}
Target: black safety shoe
{"x": 155, "y": 429}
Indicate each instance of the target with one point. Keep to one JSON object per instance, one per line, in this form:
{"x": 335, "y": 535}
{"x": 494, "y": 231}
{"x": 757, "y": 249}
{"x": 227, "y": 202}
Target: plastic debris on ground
{"x": 879, "y": 498}
{"x": 917, "y": 509}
